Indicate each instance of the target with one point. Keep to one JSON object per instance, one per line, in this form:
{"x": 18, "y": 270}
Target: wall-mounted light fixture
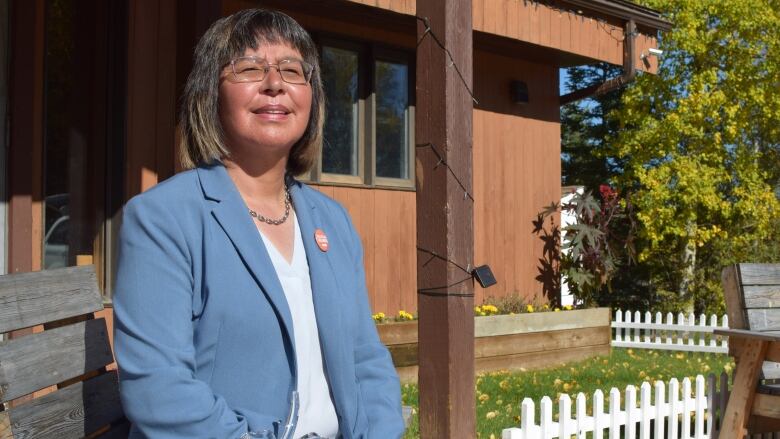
{"x": 518, "y": 90}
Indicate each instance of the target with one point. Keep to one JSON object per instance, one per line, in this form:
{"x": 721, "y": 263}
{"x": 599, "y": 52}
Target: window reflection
{"x": 392, "y": 119}
{"x": 340, "y": 140}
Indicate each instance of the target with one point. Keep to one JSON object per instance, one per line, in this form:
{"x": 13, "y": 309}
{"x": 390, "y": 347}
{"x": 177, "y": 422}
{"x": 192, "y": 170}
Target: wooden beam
{"x": 445, "y": 219}
{"x": 752, "y": 353}
{"x": 26, "y": 130}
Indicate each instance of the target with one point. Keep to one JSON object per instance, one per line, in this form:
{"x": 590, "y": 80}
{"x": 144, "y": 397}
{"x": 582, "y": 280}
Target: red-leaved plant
{"x": 599, "y": 240}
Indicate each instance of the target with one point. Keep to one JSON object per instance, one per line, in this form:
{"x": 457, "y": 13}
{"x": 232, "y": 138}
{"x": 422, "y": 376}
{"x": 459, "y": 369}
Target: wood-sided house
{"x": 90, "y": 90}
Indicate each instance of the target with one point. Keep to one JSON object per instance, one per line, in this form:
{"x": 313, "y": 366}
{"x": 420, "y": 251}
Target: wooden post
{"x": 751, "y": 357}
{"x": 445, "y": 219}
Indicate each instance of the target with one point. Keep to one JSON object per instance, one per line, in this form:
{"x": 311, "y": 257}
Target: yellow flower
{"x": 529, "y": 308}
{"x": 379, "y": 317}
{"x": 546, "y": 307}
{"x": 557, "y": 309}
{"x": 484, "y": 397}
{"x": 490, "y": 415}
{"x": 403, "y": 315}
{"x": 568, "y": 307}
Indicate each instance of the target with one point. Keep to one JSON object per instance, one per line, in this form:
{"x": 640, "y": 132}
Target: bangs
{"x": 268, "y": 27}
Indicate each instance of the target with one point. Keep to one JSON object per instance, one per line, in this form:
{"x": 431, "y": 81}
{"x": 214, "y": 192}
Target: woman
{"x": 237, "y": 284}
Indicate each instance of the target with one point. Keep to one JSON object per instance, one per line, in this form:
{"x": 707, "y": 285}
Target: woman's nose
{"x": 272, "y": 83}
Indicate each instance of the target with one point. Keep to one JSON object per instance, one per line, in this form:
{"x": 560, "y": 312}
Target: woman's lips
{"x": 272, "y": 112}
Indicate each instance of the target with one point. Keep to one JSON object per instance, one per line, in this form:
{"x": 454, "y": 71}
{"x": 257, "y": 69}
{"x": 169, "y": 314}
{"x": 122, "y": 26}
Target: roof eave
{"x": 626, "y": 11}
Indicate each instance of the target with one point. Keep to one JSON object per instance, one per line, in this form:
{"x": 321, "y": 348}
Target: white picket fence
{"x": 684, "y": 415}
{"x": 683, "y": 335}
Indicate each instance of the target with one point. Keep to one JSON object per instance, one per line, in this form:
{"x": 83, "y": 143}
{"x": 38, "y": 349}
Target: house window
{"x": 340, "y": 137}
{"x": 392, "y": 119}
{"x": 368, "y": 132}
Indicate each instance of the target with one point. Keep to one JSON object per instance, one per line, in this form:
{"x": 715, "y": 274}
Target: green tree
{"x": 585, "y": 127}
{"x": 699, "y": 145}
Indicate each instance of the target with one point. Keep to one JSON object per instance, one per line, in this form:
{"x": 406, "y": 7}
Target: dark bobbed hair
{"x": 202, "y": 137}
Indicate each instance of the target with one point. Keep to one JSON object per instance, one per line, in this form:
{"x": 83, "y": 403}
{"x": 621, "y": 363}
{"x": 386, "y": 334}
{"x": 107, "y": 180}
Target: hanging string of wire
{"x": 434, "y": 255}
{"x": 615, "y": 32}
{"x": 442, "y": 161}
{"x": 429, "y": 32}
{"x": 433, "y": 291}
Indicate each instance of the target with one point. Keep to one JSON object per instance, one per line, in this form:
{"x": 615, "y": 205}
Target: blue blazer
{"x": 202, "y": 327}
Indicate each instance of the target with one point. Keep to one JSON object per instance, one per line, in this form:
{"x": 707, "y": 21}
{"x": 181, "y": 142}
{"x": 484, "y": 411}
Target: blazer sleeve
{"x": 153, "y": 309}
{"x": 378, "y": 383}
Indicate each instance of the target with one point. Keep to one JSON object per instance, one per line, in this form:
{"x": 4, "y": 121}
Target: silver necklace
{"x": 275, "y": 222}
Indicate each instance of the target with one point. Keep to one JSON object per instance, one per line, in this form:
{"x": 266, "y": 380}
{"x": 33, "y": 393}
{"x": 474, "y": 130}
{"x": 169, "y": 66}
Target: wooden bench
{"x": 752, "y": 293}
{"x": 67, "y": 359}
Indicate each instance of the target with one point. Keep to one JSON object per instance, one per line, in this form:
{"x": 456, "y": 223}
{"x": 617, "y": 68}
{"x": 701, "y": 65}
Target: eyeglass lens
{"x": 253, "y": 69}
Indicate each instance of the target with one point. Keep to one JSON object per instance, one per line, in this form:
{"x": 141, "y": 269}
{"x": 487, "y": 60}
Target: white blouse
{"x": 317, "y": 413}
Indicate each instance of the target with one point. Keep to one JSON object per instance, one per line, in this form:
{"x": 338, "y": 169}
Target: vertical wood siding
{"x": 517, "y": 172}
{"x": 151, "y": 97}
{"x": 386, "y": 222}
{"x": 556, "y": 28}
{"x": 401, "y": 6}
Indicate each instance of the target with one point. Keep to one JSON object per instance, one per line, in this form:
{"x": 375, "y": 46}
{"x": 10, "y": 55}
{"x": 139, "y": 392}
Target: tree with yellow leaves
{"x": 700, "y": 142}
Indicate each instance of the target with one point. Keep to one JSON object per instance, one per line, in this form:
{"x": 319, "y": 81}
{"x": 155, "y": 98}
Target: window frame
{"x": 368, "y": 54}
{"x": 324, "y": 177}
{"x": 380, "y": 53}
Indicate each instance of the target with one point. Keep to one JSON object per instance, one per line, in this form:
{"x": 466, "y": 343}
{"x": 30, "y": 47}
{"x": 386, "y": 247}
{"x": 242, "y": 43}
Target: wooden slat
{"x": 72, "y": 412}
{"x": 745, "y": 378}
{"x": 398, "y": 333}
{"x": 759, "y": 274}
{"x": 764, "y": 319}
{"x": 30, "y": 299}
{"x": 744, "y": 334}
{"x": 766, "y": 405}
{"x": 120, "y": 431}
{"x": 773, "y": 352}
{"x": 760, "y": 424}
{"x": 546, "y": 321}
{"x": 404, "y": 354}
{"x": 527, "y": 361}
{"x": 541, "y": 342}
{"x": 36, "y": 361}
{"x": 534, "y": 360}
{"x": 545, "y": 344}
{"x": 732, "y": 293}
{"x": 762, "y": 296}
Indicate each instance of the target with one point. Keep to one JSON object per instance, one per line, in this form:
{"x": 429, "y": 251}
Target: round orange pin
{"x": 322, "y": 240}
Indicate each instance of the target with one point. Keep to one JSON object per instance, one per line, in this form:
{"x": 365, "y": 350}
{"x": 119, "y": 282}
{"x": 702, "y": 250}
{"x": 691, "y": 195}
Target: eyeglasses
{"x": 253, "y": 69}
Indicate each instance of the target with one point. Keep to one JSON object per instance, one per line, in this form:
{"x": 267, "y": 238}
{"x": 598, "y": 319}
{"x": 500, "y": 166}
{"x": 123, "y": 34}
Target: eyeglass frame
{"x": 304, "y": 64}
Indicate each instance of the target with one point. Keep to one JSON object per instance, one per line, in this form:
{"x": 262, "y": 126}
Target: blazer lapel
{"x": 231, "y": 213}
{"x": 324, "y": 288}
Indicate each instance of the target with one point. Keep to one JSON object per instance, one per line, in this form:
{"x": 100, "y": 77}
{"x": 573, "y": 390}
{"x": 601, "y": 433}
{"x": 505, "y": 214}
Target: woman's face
{"x": 265, "y": 117}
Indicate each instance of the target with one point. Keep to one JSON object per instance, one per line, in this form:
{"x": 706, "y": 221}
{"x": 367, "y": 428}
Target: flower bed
{"x": 518, "y": 341}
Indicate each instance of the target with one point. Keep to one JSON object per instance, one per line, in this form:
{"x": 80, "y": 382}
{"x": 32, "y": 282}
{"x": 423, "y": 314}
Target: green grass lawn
{"x": 499, "y": 394}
